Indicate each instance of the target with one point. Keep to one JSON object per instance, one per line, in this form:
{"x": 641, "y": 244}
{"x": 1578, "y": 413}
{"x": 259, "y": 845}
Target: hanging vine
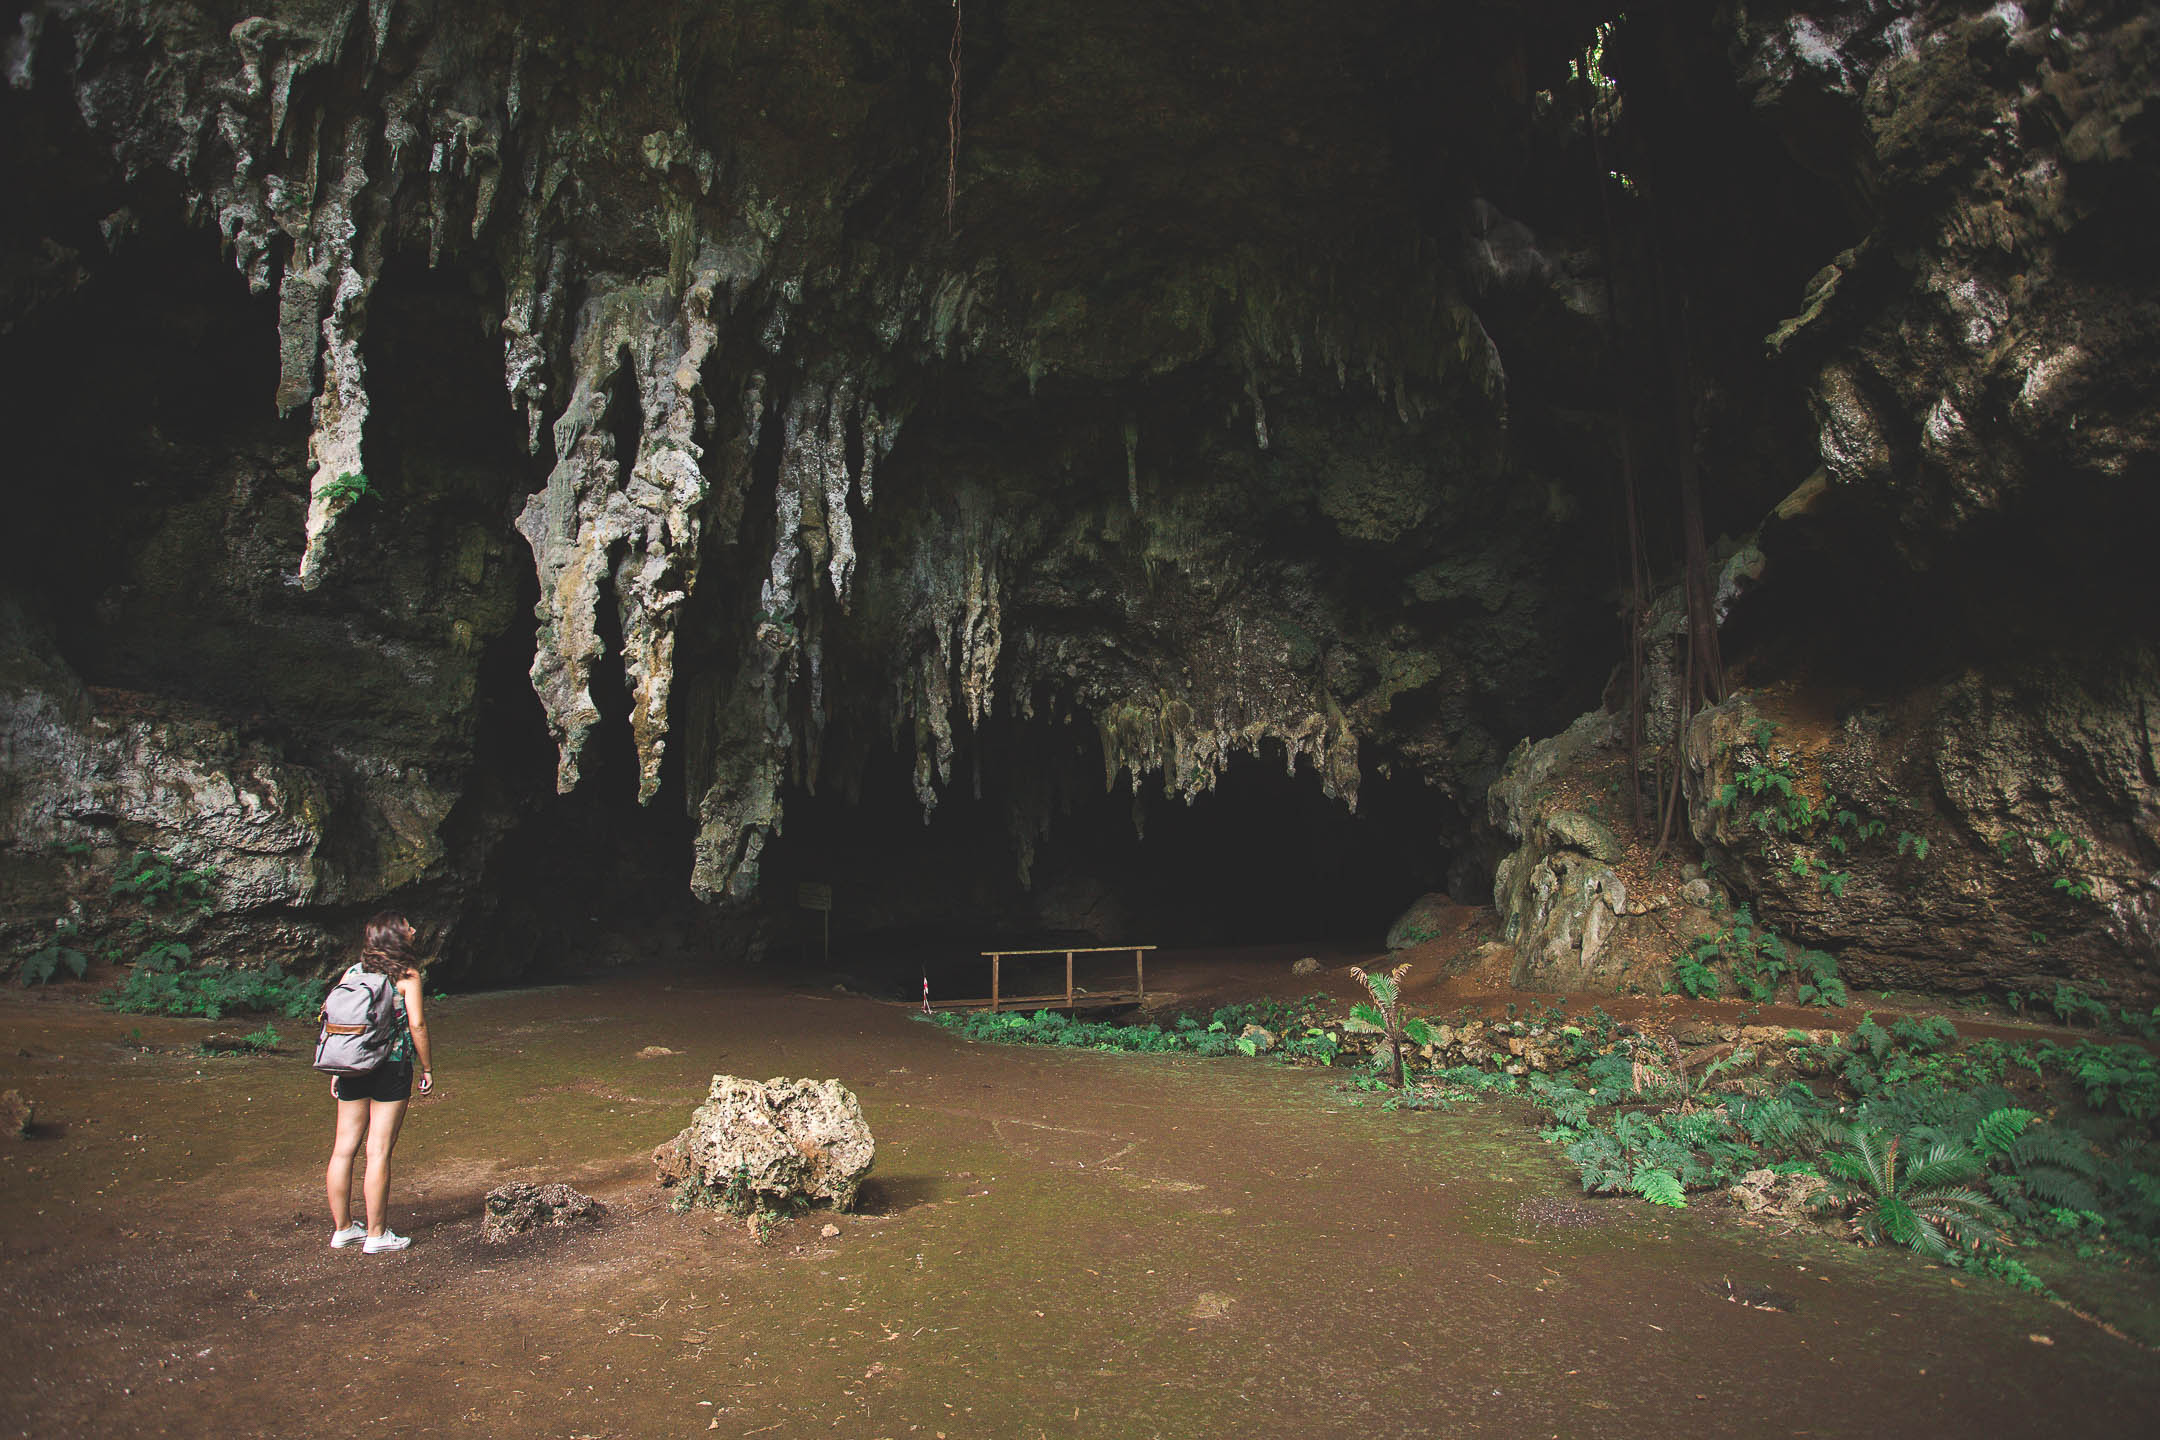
{"x": 1703, "y": 680}
{"x": 952, "y": 121}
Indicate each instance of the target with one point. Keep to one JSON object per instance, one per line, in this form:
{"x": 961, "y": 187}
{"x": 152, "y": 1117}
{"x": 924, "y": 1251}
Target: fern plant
{"x": 1999, "y": 1129}
{"x": 345, "y": 489}
{"x": 1383, "y": 1015}
{"x": 1659, "y": 1158}
{"x": 1760, "y": 961}
{"x": 1927, "y": 1205}
{"x": 1690, "y": 975}
{"x": 2050, "y": 1168}
{"x": 55, "y": 955}
{"x": 154, "y": 880}
{"x": 2123, "y": 1077}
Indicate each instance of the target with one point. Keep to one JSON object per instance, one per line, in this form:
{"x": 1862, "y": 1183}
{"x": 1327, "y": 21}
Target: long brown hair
{"x": 386, "y": 945}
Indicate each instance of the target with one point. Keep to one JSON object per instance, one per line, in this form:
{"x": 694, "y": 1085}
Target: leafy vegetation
{"x": 159, "y": 882}
{"x": 1927, "y": 1205}
{"x": 257, "y": 1042}
{"x": 1969, "y": 1152}
{"x": 55, "y": 955}
{"x": 169, "y": 900}
{"x": 158, "y": 985}
{"x": 1296, "y": 1025}
{"x": 1771, "y": 788}
{"x": 2062, "y": 847}
{"x": 1761, "y": 963}
{"x": 346, "y": 489}
{"x": 1383, "y": 1015}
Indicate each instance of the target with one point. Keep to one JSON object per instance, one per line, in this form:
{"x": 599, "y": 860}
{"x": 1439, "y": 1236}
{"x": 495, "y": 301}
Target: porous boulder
{"x": 17, "y": 1114}
{"x": 1428, "y": 917}
{"x": 1791, "y": 1198}
{"x": 773, "y": 1144}
{"x": 518, "y": 1207}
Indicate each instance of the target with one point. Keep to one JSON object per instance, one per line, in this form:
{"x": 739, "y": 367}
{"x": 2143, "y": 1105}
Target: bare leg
{"x": 352, "y": 1126}
{"x": 385, "y": 1118}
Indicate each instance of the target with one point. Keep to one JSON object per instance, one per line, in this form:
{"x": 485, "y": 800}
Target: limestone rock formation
{"x": 520, "y": 1207}
{"x": 1984, "y": 334}
{"x": 1990, "y": 831}
{"x": 772, "y": 1145}
{"x": 17, "y": 1114}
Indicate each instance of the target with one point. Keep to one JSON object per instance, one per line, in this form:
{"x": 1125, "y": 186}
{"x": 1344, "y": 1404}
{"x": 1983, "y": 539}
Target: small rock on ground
{"x": 518, "y": 1207}
{"x": 1784, "y": 1197}
{"x": 17, "y": 1113}
{"x": 1306, "y": 966}
{"x": 654, "y": 1052}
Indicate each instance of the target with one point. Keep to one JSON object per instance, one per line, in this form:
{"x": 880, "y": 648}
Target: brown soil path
{"x": 1055, "y": 1244}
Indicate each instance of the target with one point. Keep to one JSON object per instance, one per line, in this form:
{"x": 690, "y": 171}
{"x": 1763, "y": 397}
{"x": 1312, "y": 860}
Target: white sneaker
{"x": 342, "y": 1238}
{"x": 388, "y": 1240}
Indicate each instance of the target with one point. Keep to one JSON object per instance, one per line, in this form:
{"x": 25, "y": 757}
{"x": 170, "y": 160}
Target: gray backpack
{"x": 359, "y": 1023}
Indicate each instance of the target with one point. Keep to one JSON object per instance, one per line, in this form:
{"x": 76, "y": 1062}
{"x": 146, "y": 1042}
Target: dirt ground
{"x": 1054, "y": 1244}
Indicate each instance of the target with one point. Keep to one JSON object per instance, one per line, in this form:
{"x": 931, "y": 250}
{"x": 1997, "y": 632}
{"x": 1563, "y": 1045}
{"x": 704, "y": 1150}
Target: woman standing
{"x": 371, "y": 1105}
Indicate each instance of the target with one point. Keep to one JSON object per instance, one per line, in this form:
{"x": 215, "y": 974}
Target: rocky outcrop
{"x": 94, "y": 778}
{"x": 1583, "y": 910}
{"x": 1990, "y": 333}
{"x": 1428, "y": 918}
{"x": 519, "y": 1208}
{"x": 1936, "y": 764}
{"x": 1997, "y": 831}
{"x": 772, "y": 1146}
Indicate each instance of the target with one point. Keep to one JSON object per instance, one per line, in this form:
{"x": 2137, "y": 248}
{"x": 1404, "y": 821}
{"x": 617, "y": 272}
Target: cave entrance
{"x": 1265, "y": 858}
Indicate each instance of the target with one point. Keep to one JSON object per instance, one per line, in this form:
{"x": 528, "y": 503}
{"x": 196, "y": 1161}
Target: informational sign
{"x": 814, "y": 897}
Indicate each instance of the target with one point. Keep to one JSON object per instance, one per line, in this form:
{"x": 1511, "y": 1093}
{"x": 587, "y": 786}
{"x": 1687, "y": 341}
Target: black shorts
{"x": 391, "y": 1081}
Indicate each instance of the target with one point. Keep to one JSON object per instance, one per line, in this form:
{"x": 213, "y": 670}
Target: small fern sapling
{"x": 1927, "y": 1205}
{"x": 1383, "y": 1016}
{"x": 346, "y": 489}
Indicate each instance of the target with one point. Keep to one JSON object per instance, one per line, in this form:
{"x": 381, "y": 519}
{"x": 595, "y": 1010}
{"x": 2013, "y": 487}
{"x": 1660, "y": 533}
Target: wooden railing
{"x": 1073, "y": 998}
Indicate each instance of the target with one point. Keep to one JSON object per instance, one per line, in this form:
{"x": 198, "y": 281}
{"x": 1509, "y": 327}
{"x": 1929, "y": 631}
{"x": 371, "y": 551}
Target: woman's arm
{"x": 410, "y": 987}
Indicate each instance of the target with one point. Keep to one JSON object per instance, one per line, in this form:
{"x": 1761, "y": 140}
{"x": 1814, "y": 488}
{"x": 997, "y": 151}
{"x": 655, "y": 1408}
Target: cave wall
{"x": 1941, "y": 639}
{"x": 1229, "y": 379}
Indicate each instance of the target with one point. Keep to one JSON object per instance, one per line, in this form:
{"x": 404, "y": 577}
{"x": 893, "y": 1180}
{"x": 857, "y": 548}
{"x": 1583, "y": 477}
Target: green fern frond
{"x": 2060, "y": 1188}
{"x": 1659, "y": 1187}
{"x": 1999, "y": 1129}
{"x": 1924, "y": 1234}
{"x": 1943, "y": 1164}
{"x": 1878, "y": 1155}
{"x": 2052, "y": 1147}
{"x": 1967, "y": 1214}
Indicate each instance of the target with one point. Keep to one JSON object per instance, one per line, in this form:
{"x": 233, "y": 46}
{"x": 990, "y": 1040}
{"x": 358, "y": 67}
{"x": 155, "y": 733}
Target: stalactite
{"x": 348, "y": 253}
{"x": 644, "y": 527}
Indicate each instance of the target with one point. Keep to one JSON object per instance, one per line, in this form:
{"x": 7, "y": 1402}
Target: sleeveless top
{"x": 401, "y": 1049}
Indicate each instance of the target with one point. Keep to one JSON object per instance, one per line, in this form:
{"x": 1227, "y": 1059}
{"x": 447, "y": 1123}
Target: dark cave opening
{"x": 1263, "y": 858}
{"x": 590, "y": 879}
